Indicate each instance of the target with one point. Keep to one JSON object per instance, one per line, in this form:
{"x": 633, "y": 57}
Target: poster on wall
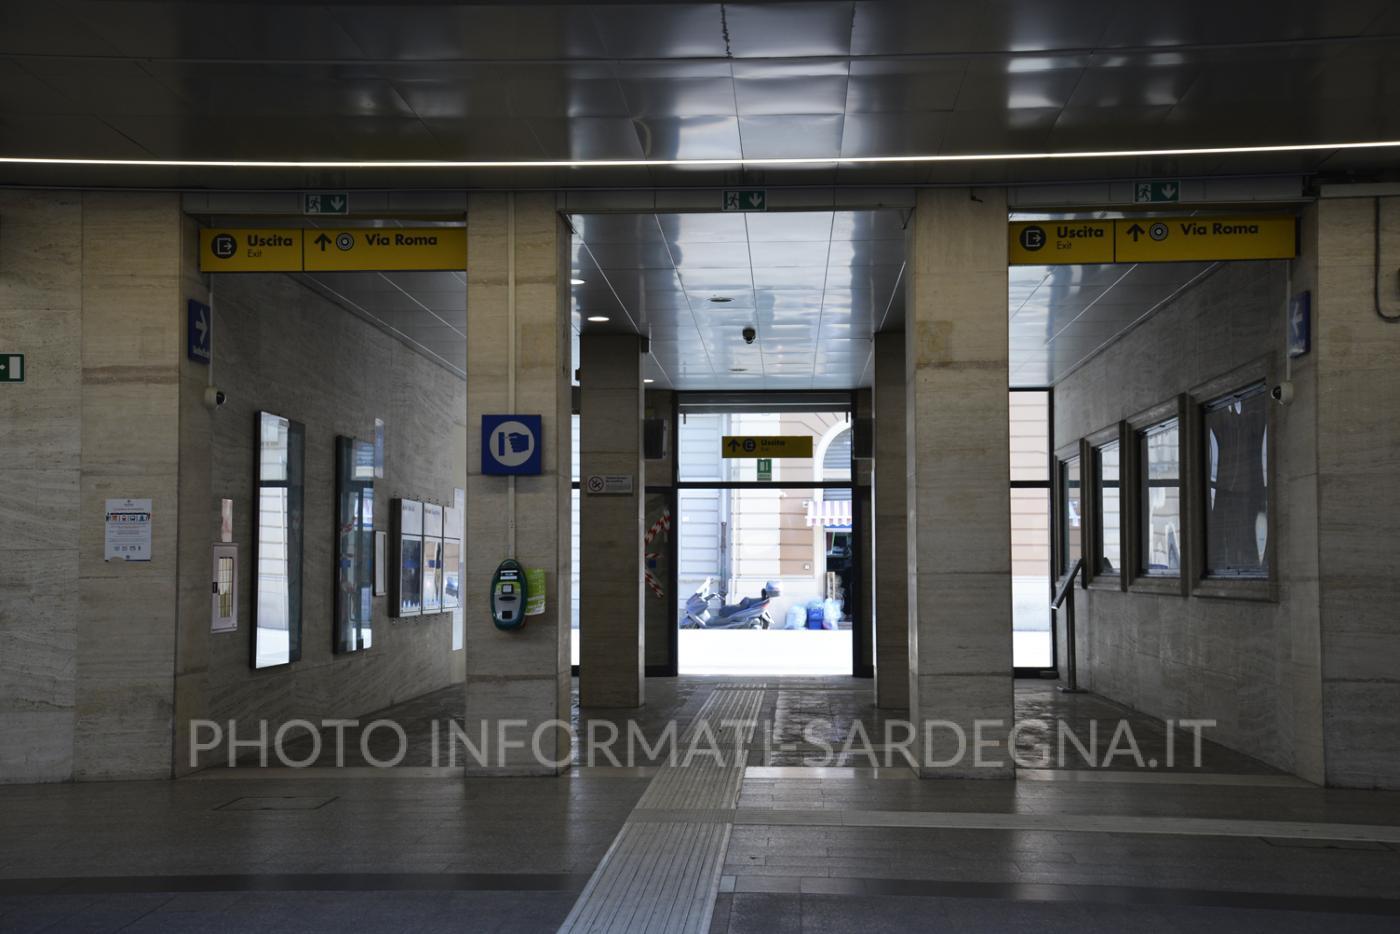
{"x": 432, "y": 558}
{"x": 128, "y": 530}
{"x": 379, "y": 449}
{"x": 451, "y": 557}
{"x": 223, "y": 608}
{"x": 407, "y": 596}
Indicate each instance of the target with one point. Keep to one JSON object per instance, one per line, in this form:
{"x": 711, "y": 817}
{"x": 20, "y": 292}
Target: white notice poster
{"x": 128, "y": 535}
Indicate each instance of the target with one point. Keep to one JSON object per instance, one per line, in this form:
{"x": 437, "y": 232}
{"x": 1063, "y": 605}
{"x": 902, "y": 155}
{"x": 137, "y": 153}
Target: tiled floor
{"x": 1238, "y": 847}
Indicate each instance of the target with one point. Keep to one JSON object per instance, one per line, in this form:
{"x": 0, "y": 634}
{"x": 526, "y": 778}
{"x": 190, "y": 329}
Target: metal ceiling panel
{"x": 788, "y": 29}
{"x": 804, "y": 136}
{"x": 814, "y": 317}
{"x": 451, "y": 32}
{"x": 914, "y": 27}
{"x": 660, "y": 31}
{"x": 689, "y": 137}
{"x": 524, "y": 81}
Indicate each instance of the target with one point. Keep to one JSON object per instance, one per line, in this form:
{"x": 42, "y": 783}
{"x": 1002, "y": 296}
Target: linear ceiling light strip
{"x": 695, "y": 163}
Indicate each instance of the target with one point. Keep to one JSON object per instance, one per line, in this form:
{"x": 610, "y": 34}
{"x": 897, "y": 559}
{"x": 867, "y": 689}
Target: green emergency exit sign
{"x": 745, "y": 200}
{"x": 1157, "y": 192}
{"x": 765, "y": 469}
{"x": 11, "y": 367}
{"x": 326, "y": 202}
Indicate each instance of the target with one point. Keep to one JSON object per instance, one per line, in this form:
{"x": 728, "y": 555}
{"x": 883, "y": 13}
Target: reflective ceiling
{"x": 425, "y": 310}
{"x": 265, "y": 79}
{"x": 814, "y": 285}
{"x": 1062, "y": 315}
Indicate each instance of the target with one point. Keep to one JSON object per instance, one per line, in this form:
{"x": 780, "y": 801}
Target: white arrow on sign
{"x": 755, "y": 199}
{"x": 1169, "y": 191}
{"x": 337, "y": 202}
{"x": 202, "y": 326}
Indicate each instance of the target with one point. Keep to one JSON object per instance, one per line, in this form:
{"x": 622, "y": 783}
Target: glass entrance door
{"x": 767, "y": 571}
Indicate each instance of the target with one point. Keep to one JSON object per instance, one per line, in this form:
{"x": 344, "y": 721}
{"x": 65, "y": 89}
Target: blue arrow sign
{"x": 199, "y": 344}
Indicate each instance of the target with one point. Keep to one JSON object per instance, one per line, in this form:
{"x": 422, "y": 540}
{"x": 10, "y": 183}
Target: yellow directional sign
{"x": 766, "y": 445}
{"x": 386, "y": 249}
{"x": 376, "y": 249}
{"x": 1151, "y": 240}
{"x": 1046, "y": 243}
{"x": 1164, "y": 240}
{"x": 237, "y": 250}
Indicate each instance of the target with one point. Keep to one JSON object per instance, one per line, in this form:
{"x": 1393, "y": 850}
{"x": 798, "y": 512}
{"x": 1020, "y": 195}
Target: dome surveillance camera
{"x": 750, "y": 335}
{"x": 214, "y": 397}
{"x": 1282, "y": 393}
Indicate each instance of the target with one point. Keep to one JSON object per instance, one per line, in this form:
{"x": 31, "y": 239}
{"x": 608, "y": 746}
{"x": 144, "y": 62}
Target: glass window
{"x": 702, "y": 434}
{"x": 277, "y": 541}
{"x": 1072, "y": 514}
{"x": 1237, "y": 484}
{"x": 1108, "y": 515}
{"x": 1030, "y": 436}
{"x": 774, "y": 558}
{"x": 1030, "y": 578}
{"x": 1160, "y": 451}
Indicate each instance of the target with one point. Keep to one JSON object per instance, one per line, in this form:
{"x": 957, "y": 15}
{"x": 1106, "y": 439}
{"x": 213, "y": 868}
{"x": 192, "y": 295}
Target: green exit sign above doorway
{"x": 1157, "y": 192}
{"x": 745, "y": 199}
{"x": 326, "y": 202}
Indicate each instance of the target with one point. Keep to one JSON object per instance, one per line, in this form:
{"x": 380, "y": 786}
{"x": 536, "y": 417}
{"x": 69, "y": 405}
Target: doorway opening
{"x": 767, "y": 570}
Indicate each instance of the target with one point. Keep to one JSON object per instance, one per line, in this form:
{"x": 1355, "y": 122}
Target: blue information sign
{"x": 510, "y": 444}
{"x": 199, "y": 343}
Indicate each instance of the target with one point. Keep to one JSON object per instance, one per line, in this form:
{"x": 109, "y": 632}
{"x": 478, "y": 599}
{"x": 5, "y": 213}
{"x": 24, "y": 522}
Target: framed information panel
{"x": 406, "y": 585}
{"x": 451, "y": 557}
{"x": 432, "y": 558}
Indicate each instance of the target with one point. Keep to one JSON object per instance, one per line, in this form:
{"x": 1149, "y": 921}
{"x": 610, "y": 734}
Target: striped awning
{"x": 829, "y": 514}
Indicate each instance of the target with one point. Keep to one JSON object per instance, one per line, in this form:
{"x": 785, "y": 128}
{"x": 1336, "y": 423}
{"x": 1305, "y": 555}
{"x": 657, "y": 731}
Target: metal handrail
{"x": 1064, "y": 590}
{"x": 1064, "y": 596}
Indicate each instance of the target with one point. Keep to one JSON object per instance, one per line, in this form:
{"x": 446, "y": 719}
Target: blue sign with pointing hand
{"x": 510, "y": 444}
{"x": 199, "y": 345}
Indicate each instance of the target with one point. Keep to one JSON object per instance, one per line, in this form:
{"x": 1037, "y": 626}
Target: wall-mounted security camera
{"x": 214, "y": 397}
{"x": 1282, "y": 393}
{"x": 750, "y": 335}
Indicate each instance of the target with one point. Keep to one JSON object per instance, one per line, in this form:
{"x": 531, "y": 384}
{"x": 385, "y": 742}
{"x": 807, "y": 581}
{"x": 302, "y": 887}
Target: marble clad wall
{"x": 959, "y": 535}
{"x": 523, "y": 674}
{"x": 891, "y": 499}
{"x": 1358, "y": 496}
{"x": 41, "y": 307}
{"x": 612, "y": 652}
{"x": 89, "y": 292}
{"x": 96, "y": 657}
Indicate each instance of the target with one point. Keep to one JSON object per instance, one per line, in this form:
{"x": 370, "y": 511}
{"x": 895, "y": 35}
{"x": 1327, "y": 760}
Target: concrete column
{"x": 891, "y": 525}
{"x": 959, "y": 534}
{"x": 611, "y": 623}
{"x": 517, "y": 293}
{"x": 1358, "y": 502}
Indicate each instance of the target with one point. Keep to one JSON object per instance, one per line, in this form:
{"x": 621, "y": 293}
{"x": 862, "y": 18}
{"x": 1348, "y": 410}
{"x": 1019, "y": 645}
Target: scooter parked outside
{"x": 706, "y": 609}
